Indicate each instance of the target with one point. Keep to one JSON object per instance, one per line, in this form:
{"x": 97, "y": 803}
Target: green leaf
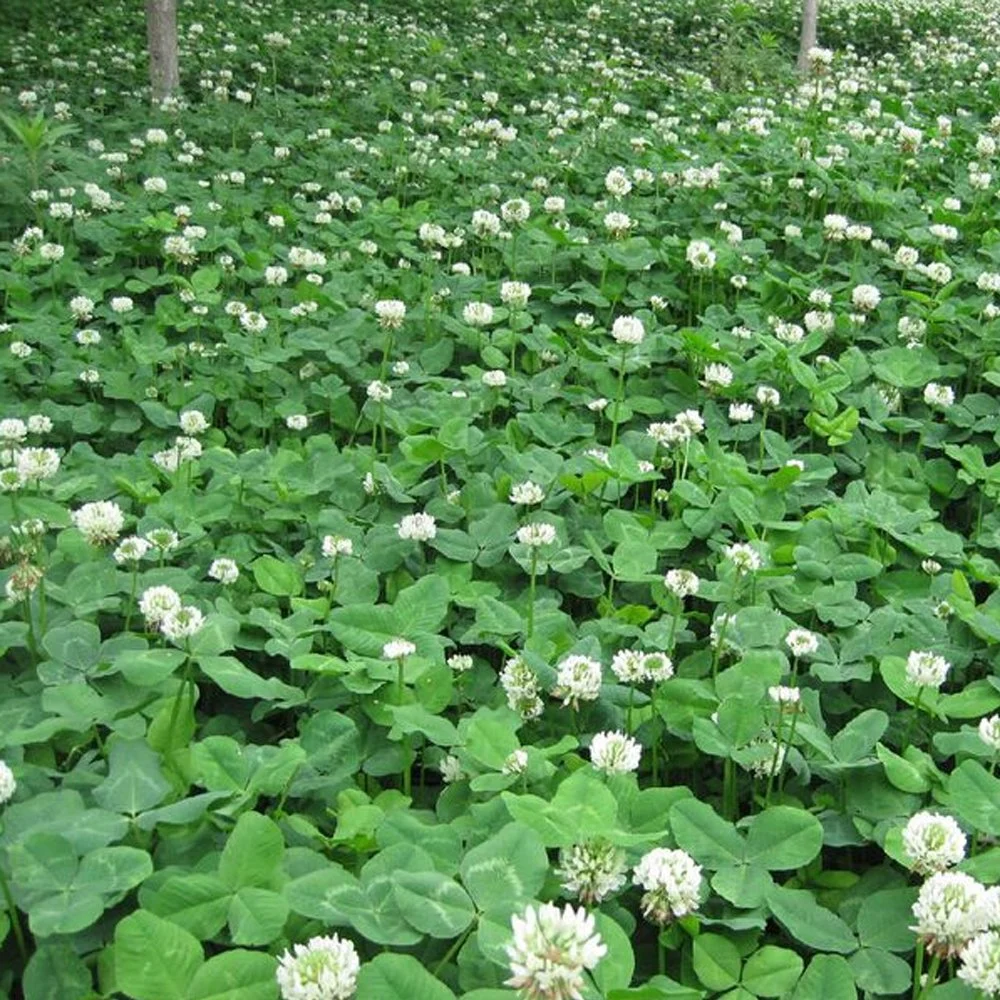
{"x": 975, "y": 795}
{"x": 858, "y": 738}
{"x": 253, "y": 853}
{"x": 198, "y": 903}
{"x": 256, "y": 916}
{"x": 806, "y": 921}
{"x": 828, "y": 977}
{"x": 743, "y": 885}
{"x": 900, "y": 772}
{"x": 423, "y": 606}
{"x": 236, "y": 975}
{"x": 154, "y": 959}
{"x": 771, "y": 971}
{"x": 399, "y": 977}
{"x": 615, "y": 969}
{"x": 511, "y": 865}
{"x": 416, "y": 719}
{"x": 716, "y": 961}
{"x": 880, "y": 972}
{"x": 705, "y": 835}
{"x": 433, "y": 903}
{"x": 783, "y": 838}
{"x": 241, "y": 682}
{"x": 148, "y": 667}
{"x": 135, "y": 781}
{"x": 329, "y": 894}
{"x": 56, "y": 972}
{"x": 277, "y": 576}
{"x": 75, "y": 645}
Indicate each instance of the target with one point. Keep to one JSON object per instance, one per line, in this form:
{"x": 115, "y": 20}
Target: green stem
{"x": 531, "y": 593}
{"x": 932, "y": 972}
{"x": 619, "y": 396}
{"x": 774, "y": 761}
{"x": 15, "y": 920}
{"x": 131, "y": 595}
{"x": 453, "y": 950}
{"x": 628, "y": 715}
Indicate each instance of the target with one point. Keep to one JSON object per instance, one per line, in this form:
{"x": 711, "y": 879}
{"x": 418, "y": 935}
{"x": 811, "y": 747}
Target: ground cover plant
{"x": 500, "y": 502}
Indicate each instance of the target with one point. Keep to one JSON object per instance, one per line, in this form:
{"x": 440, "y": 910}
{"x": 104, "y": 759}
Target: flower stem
{"x": 15, "y": 920}
{"x": 531, "y": 593}
{"x": 619, "y": 395}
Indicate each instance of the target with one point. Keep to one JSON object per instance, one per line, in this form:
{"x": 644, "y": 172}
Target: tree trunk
{"x": 161, "y": 33}
{"x": 807, "y": 38}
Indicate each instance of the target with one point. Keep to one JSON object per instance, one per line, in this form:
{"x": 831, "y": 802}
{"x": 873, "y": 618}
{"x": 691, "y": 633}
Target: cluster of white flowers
{"x": 951, "y": 909}
{"x": 700, "y": 255}
{"x": 672, "y": 880}
{"x": 628, "y": 330}
{"x": 390, "y": 313}
{"x": 802, "y": 642}
{"x": 615, "y": 753}
{"x": 225, "y": 570}
{"x": 550, "y": 951}
{"x": 537, "y": 534}
{"x": 926, "y": 669}
{"x": 745, "y": 558}
{"x": 520, "y": 685}
{"x": 417, "y": 527}
{"x": 527, "y": 493}
{"x": 7, "y": 783}
{"x": 99, "y": 522}
{"x": 933, "y": 842}
{"x": 397, "y": 649}
{"x": 325, "y": 968}
{"x": 634, "y": 667}
{"x": 592, "y": 871}
{"x": 686, "y": 425}
{"x": 163, "y": 609}
{"x": 681, "y": 582}
{"x": 578, "y": 678}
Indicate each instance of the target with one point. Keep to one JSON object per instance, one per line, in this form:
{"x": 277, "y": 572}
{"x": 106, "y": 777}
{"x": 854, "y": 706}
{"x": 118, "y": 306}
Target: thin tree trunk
{"x": 807, "y": 39}
{"x": 161, "y": 33}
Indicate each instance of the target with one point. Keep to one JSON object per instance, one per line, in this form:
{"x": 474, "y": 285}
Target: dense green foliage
{"x": 498, "y": 317}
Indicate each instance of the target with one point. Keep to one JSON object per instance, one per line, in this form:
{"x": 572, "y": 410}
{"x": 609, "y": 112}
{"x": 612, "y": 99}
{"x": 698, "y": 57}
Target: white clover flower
{"x": 939, "y": 395}
{"x": 515, "y": 294}
{"x": 672, "y": 881}
{"x": 477, "y": 313}
{"x": 628, "y": 330}
{"x": 157, "y": 602}
{"x": 951, "y": 909}
{"x": 526, "y": 493}
{"x": 99, "y": 522}
{"x": 681, "y": 582}
{"x": 980, "y": 966}
{"x": 578, "y": 678}
{"x": 517, "y": 210}
{"x": 7, "y": 783}
{"x": 551, "y": 950}
{"x": 658, "y": 667}
{"x": 253, "y": 322}
{"x": 224, "y": 570}
{"x": 785, "y": 697}
{"x": 933, "y": 842}
{"x": 390, "y": 313}
{"x": 122, "y": 304}
{"x": 451, "y": 769}
{"x": 297, "y": 422}
{"x": 520, "y": 685}
{"x": 494, "y": 379}
{"x": 36, "y": 464}
{"x": 379, "y": 391}
{"x": 583, "y": 320}
{"x": 592, "y": 871}
{"x": 926, "y": 669}
{"x": 618, "y": 224}
{"x": 989, "y": 732}
{"x": 336, "y": 545}
{"x": 460, "y": 663}
{"x": 417, "y": 527}
{"x": 13, "y": 430}
{"x": 689, "y": 422}
{"x": 767, "y": 396}
{"x": 325, "y": 968}
{"x": 396, "y": 649}
{"x": 741, "y": 413}
{"x": 516, "y": 762}
{"x": 617, "y": 183}
{"x": 700, "y": 255}
{"x": 629, "y": 666}
{"x": 717, "y": 374}
{"x": 537, "y": 534}
{"x": 802, "y": 642}
{"x": 193, "y": 422}
{"x": 615, "y": 753}
{"x": 866, "y": 297}
{"x": 182, "y": 623}
{"x": 744, "y": 557}
{"x": 130, "y": 549}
